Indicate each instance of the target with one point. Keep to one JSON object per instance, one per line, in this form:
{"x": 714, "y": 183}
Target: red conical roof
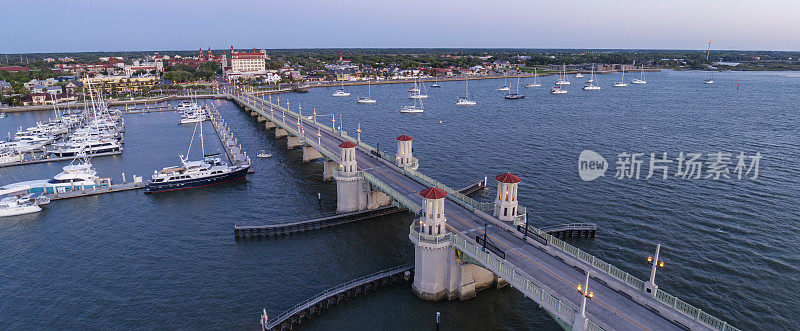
{"x": 347, "y": 144}
{"x": 508, "y": 178}
{"x": 405, "y": 138}
{"x": 433, "y": 193}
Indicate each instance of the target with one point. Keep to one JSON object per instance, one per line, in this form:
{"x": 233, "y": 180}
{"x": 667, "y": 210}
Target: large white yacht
{"x": 97, "y": 146}
{"x": 73, "y": 176}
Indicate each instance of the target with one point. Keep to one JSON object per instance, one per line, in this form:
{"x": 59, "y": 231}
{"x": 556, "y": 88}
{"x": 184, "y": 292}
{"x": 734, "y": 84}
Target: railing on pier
{"x": 333, "y": 291}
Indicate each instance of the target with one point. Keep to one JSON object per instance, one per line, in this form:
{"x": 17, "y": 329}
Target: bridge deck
{"x": 616, "y": 305}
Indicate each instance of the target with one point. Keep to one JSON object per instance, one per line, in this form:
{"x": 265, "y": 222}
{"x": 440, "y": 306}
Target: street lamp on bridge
{"x": 581, "y": 320}
{"x": 650, "y": 286}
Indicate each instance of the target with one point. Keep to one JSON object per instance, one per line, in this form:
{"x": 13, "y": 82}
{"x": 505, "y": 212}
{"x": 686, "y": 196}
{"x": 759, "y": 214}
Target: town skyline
{"x": 150, "y": 25}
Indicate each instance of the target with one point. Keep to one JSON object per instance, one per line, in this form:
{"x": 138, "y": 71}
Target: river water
{"x": 170, "y": 260}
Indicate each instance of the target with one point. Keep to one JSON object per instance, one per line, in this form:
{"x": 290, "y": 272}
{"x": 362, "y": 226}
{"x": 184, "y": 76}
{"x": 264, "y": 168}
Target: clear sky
{"x": 110, "y": 25}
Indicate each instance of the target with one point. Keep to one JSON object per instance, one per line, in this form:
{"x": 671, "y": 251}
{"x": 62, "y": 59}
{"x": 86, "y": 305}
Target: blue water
{"x": 169, "y": 260}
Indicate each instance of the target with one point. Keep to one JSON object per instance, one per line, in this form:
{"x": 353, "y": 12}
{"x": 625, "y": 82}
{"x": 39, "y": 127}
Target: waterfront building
{"x": 243, "y": 65}
{"x": 121, "y": 83}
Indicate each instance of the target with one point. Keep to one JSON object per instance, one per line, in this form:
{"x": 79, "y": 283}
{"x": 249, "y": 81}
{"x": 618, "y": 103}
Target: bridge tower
{"x": 405, "y": 157}
{"x": 350, "y": 192}
{"x": 432, "y": 252}
{"x": 506, "y": 204}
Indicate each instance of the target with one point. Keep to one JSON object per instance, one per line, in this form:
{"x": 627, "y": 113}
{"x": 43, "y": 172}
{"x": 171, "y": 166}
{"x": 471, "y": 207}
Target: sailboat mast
{"x": 202, "y": 145}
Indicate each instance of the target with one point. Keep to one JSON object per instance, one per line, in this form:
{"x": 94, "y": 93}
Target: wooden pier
{"x": 474, "y": 187}
{"x": 573, "y": 230}
{"x": 45, "y": 158}
{"x": 334, "y": 295}
{"x": 236, "y": 155}
{"x": 319, "y": 222}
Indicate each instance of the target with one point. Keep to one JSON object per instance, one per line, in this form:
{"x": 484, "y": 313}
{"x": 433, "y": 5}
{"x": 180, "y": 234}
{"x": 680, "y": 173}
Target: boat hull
{"x": 196, "y": 182}
{"x": 19, "y": 210}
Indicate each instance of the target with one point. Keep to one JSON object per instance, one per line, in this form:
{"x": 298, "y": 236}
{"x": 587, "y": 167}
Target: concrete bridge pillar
{"x": 293, "y": 141}
{"x": 280, "y": 133}
{"x": 269, "y": 125}
{"x": 261, "y": 118}
{"x": 328, "y": 168}
{"x": 405, "y": 153}
{"x": 351, "y": 188}
{"x": 310, "y": 153}
{"x": 506, "y": 204}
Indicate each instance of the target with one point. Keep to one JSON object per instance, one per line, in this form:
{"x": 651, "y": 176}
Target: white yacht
{"x": 10, "y": 157}
{"x": 535, "y": 80}
{"x": 710, "y": 79}
{"x": 640, "y": 80}
{"x": 73, "y": 176}
{"x": 562, "y": 80}
{"x": 414, "y": 108}
{"x": 465, "y": 101}
{"x": 23, "y": 147}
{"x": 88, "y": 147}
{"x": 590, "y": 86}
{"x": 621, "y": 82}
{"x": 186, "y": 105}
{"x": 19, "y": 204}
{"x": 194, "y": 117}
{"x": 578, "y": 75}
{"x": 369, "y": 98}
{"x": 340, "y": 92}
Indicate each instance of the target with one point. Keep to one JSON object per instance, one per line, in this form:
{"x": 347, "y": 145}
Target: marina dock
{"x": 474, "y": 187}
{"x": 83, "y": 192}
{"x": 335, "y": 295}
{"x": 318, "y": 222}
{"x": 234, "y": 152}
{"x": 46, "y": 158}
{"x": 572, "y": 230}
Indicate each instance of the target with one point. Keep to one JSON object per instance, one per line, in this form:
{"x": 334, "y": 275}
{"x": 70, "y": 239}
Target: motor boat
{"x": 10, "y": 157}
{"x": 89, "y": 147}
{"x": 466, "y": 102}
{"x": 341, "y": 93}
{"x": 558, "y": 90}
{"x": 263, "y": 154}
{"x": 13, "y": 205}
{"x": 73, "y": 176}
{"x": 411, "y": 109}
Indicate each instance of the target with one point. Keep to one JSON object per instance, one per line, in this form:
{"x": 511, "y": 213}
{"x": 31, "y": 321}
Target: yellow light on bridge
{"x": 661, "y": 264}
{"x": 649, "y": 259}
{"x": 579, "y": 288}
{"x": 591, "y": 294}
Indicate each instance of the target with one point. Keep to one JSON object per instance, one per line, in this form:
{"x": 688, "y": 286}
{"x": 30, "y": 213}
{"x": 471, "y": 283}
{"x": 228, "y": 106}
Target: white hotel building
{"x": 244, "y": 65}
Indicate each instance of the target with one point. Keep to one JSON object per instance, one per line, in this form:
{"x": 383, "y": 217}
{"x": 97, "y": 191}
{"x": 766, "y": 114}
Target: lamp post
{"x": 580, "y": 320}
{"x": 358, "y": 131}
{"x": 650, "y": 287}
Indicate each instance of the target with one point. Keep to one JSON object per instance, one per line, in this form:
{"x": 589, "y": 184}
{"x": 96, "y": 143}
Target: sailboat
{"x": 505, "y": 84}
{"x": 465, "y": 101}
{"x": 535, "y": 80}
{"x": 369, "y": 98}
{"x": 340, "y": 92}
{"x": 641, "y": 79}
{"x": 419, "y": 94}
{"x": 621, "y": 82}
{"x": 710, "y": 79}
{"x": 590, "y": 84}
{"x": 414, "y": 89}
{"x": 515, "y": 95}
{"x": 562, "y": 80}
{"x": 413, "y": 109}
{"x": 578, "y": 75}
{"x": 435, "y": 83}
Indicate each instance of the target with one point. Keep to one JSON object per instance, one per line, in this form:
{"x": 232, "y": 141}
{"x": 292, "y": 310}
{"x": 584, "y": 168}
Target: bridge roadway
{"x": 608, "y": 309}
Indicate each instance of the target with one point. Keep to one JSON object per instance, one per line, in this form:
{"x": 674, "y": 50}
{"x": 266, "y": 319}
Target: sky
{"x": 29, "y": 26}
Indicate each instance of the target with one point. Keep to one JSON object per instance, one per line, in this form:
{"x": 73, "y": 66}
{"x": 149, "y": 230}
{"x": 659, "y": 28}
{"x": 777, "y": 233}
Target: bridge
{"x": 457, "y": 238}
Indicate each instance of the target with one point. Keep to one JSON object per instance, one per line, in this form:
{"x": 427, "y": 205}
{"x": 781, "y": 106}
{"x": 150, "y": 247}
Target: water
{"x": 169, "y": 260}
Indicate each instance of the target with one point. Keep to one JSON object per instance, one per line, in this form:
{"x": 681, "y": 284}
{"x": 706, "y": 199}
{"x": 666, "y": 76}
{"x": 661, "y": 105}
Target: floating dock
{"x": 233, "y": 150}
{"x": 82, "y": 192}
{"x": 45, "y": 158}
{"x": 323, "y": 221}
{"x": 474, "y": 187}
{"x": 573, "y": 230}
{"x": 336, "y": 294}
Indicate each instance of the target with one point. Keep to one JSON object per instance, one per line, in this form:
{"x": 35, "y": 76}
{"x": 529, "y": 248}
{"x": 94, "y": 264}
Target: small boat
{"x": 432, "y": 85}
{"x": 558, "y": 90}
{"x": 465, "y": 101}
{"x": 14, "y": 205}
{"x": 621, "y": 82}
{"x": 413, "y": 109}
{"x": 578, "y": 75}
{"x": 2, "y": 115}
{"x": 590, "y": 84}
{"x": 369, "y": 98}
{"x": 535, "y": 80}
{"x": 10, "y": 157}
{"x": 505, "y": 84}
{"x": 641, "y": 79}
{"x": 710, "y": 79}
{"x": 340, "y": 92}
{"x": 515, "y": 95}
{"x": 263, "y": 154}
{"x": 562, "y": 80}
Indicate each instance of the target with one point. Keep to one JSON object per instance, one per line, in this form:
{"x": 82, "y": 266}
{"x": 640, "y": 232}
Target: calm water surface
{"x": 169, "y": 260}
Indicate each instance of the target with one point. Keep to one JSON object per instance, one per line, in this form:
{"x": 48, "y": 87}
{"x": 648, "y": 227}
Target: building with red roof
{"x": 14, "y": 69}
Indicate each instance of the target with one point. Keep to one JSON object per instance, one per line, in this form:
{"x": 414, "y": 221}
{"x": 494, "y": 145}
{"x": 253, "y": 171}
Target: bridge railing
{"x": 418, "y": 233}
{"x": 403, "y": 200}
{"x": 542, "y": 296}
{"x": 455, "y": 195}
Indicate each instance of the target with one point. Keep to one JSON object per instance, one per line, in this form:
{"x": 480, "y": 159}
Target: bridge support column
{"x": 261, "y": 118}
{"x": 328, "y": 168}
{"x": 280, "y": 133}
{"x": 293, "y": 141}
{"x": 351, "y": 187}
{"x": 310, "y": 153}
{"x": 376, "y": 199}
{"x": 404, "y": 157}
{"x": 253, "y": 113}
{"x": 269, "y": 125}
